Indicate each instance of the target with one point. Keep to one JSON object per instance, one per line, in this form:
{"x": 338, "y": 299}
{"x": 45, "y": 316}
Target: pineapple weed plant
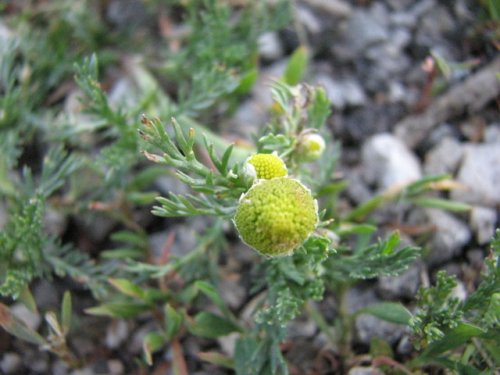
{"x": 279, "y": 195}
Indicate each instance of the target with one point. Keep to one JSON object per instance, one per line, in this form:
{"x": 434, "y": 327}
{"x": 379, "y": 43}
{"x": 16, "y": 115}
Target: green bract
{"x": 268, "y": 166}
{"x": 276, "y": 216}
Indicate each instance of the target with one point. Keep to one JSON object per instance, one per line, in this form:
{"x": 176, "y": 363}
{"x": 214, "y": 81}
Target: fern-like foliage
{"x": 23, "y": 239}
{"x": 219, "y": 189}
{"x": 65, "y": 260}
{"x": 384, "y": 258}
{"x": 220, "y": 51}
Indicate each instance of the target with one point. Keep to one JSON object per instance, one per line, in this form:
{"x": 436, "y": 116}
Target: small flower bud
{"x": 267, "y": 166}
{"x": 311, "y": 146}
{"x": 276, "y": 216}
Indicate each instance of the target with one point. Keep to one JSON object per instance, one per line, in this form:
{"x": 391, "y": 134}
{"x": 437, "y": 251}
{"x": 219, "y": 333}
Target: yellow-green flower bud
{"x": 311, "y": 147}
{"x": 267, "y": 166}
{"x": 276, "y": 216}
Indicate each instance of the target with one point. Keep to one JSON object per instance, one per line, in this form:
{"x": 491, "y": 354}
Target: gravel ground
{"x": 372, "y": 57}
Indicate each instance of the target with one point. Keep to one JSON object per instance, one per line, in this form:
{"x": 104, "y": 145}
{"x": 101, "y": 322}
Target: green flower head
{"x": 276, "y": 216}
{"x": 267, "y": 166}
{"x": 311, "y": 147}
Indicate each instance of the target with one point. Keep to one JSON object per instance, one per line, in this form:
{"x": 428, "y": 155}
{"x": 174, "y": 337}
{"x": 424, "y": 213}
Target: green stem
{"x": 346, "y": 322}
{"x": 321, "y": 322}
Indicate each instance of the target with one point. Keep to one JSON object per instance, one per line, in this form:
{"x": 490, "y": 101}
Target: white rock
{"x": 307, "y": 18}
{"x": 483, "y": 222}
{"x": 480, "y": 173}
{"x": 492, "y": 133}
{"x": 336, "y": 8}
{"x": 460, "y": 291}
{"x": 116, "y": 333}
{"x": 358, "y": 370}
{"x": 228, "y": 343}
{"x": 342, "y": 92}
{"x": 449, "y": 238}
{"x": 10, "y": 363}
{"x": 444, "y": 158}
{"x": 333, "y": 91}
{"x": 364, "y": 30}
{"x": 270, "y": 46}
{"x": 387, "y": 161}
{"x": 21, "y": 312}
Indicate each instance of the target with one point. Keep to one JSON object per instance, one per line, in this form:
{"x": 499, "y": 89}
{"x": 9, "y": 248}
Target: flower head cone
{"x": 276, "y": 216}
{"x": 267, "y": 166}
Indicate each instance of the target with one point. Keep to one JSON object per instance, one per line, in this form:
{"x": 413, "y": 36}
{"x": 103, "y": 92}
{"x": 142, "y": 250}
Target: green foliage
{"x": 220, "y": 52}
{"x": 445, "y": 323}
{"x": 383, "y": 258}
{"x": 23, "y": 241}
{"x": 94, "y": 166}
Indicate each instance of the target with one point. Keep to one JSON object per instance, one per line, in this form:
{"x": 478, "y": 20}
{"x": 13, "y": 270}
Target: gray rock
{"x": 358, "y": 298}
{"x": 399, "y": 5}
{"x": 450, "y": 237}
{"x": 476, "y": 258}
{"x": 352, "y": 92}
{"x": 123, "y": 94}
{"x": 301, "y": 327}
{"x": 169, "y": 184}
{"x": 365, "y": 29}
{"x": 54, "y": 222}
{"x": 369, "y": 327}
{"x": 3, "y": 215}
{"x": 402, "y": 286}
{"x": 444, "y": 157}
{"x": 342, "y": 92}
{"x": 387, "y": 161}
{"x": 116, "y": 333}
{"x": 386, "y": 62}
{"x": 270, "y": 47}
{"x": 438, "y": 134}
{"x": 332, "y": 90}
{"x": 357, "y": 125}
{"x": 5, "y": 33}
{"x": 432, "y": 30}
{"x": 38, "y": 363}
{"x": 403, "y": 19}
{"x": 232, "y": 292}
{"x": 84, "y": 371}
{"x": 358, "y": 370}
{"x": 46, "y": 295}
{"x": 400, "y": 37}
{"x": 405, "y": 346}
{"x": 184, "y": 241}
{"x": 116, "y": 367}
{"x": 21, "y": 312}
{"x": 459, "y": 291}
{"x": 10, "y": 363}
{"x": 59, "y": 368}
{"x": 134, "y": 343}
{"x": 397, "y": 92}
{"x": 248, "y": 118}
{"x": 480, "y": 173}
{"x": 308, "y": 19}
{"x": 422, "y": 7}
{"x": 357, "y": 189}
{"x": 126, "y": 13}
{"x": 491, "y": 134}
{"x": 228, "y": 343}
{"x": 483, "y": 222}
{"x": 337, "y": 8}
